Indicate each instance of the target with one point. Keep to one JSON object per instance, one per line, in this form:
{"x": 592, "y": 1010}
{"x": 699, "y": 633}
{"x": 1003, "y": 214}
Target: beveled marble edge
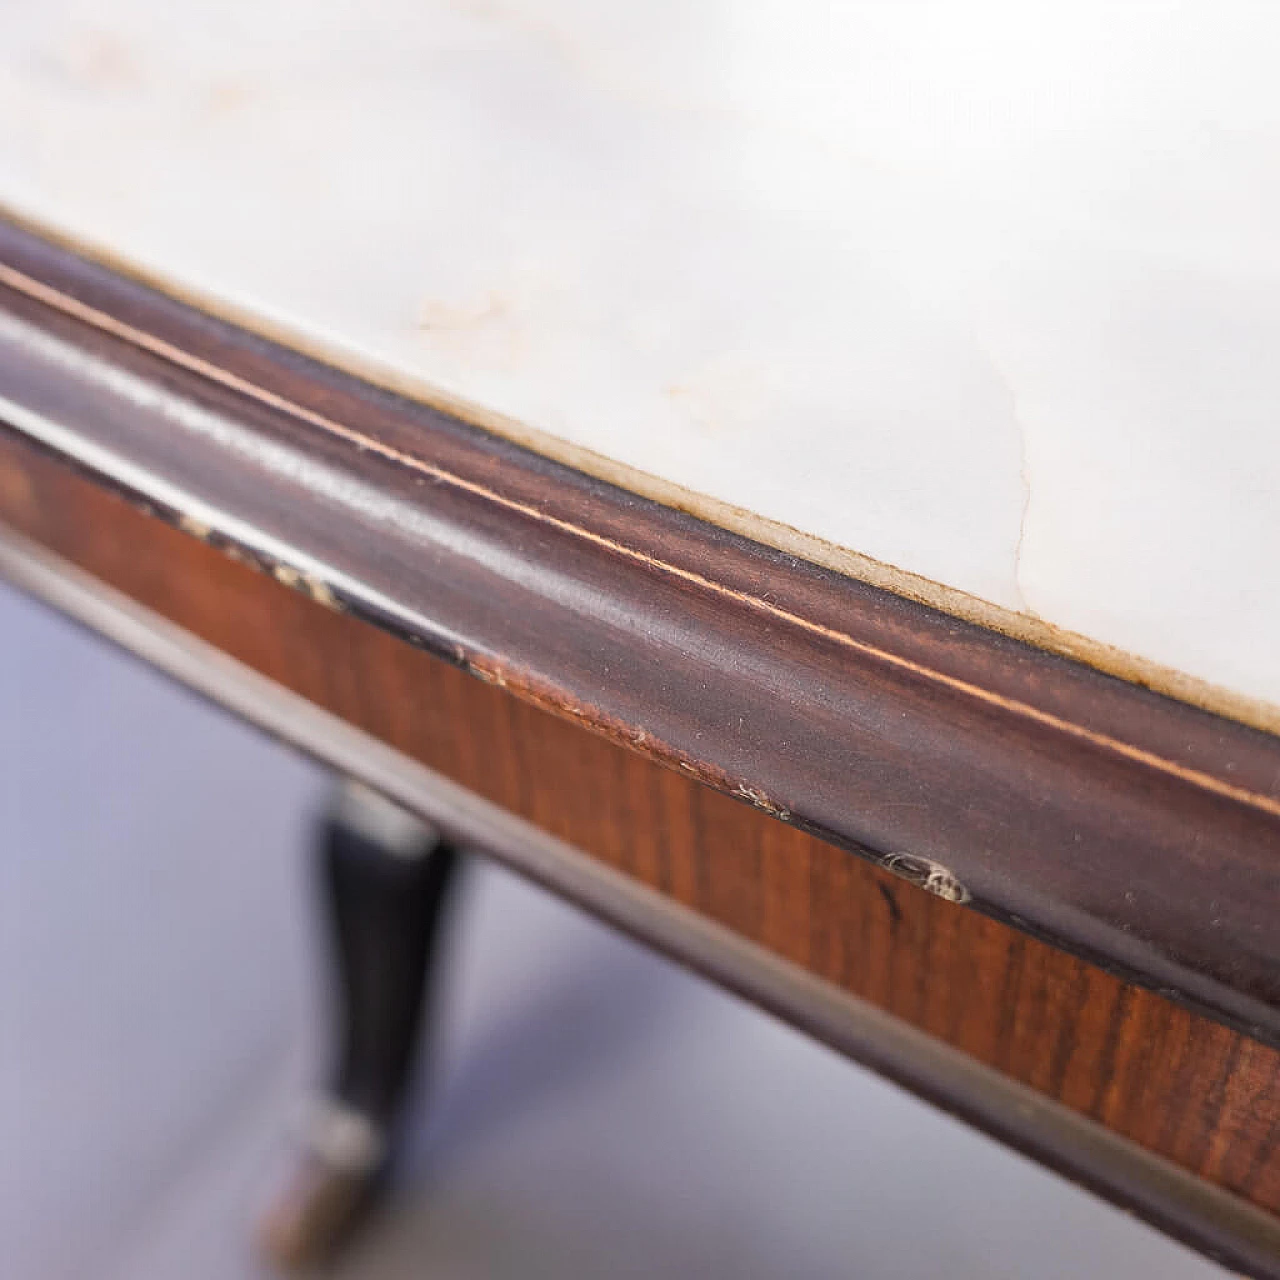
{"x": 1136, "y": 669}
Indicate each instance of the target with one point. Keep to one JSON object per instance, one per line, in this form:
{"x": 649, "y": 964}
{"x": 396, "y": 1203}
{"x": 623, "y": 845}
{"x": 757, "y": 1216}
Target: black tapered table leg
{"x": 386, "y": 880}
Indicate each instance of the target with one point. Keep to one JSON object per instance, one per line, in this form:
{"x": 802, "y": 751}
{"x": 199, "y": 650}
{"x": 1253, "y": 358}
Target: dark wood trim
{"x": 1202, "y": 1215}
{"x": 1180, "y": 1085}
{"x": 1130, "y": 828}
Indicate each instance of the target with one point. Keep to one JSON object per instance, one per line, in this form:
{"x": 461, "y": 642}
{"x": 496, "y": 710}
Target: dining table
{"x": 800, "y": 481}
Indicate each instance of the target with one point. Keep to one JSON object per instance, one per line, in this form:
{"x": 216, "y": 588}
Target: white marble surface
{"x": 988, "y": 292}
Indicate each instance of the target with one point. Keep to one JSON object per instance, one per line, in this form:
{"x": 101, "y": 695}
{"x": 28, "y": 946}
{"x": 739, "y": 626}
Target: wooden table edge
{"x": 1138, "y": 832}
{"x": 1209, "y": 1219}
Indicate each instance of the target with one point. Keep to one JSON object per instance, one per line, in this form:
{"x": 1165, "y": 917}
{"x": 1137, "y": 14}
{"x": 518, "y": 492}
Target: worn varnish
{"x": 1190, "y": 1089}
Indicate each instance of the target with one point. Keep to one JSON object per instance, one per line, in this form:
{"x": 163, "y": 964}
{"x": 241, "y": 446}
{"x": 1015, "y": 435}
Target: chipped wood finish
{"x": 1189, "y": 1089}
{"x": 1134, "y": 830}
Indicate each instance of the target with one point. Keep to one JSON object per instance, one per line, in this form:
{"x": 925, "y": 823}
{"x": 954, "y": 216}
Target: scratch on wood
{"x": 895, "y": 911}
{"x": 490, "y": 675}
{"x": 307, "y": 583}
{"x": 761, "y": 801}
{"x": 930, "y": 876}
{"x": 196, "y": 528}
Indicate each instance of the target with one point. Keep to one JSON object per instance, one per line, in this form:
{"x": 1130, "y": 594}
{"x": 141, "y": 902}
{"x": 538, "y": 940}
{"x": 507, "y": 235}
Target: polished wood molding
{"x": 1180, "y": 1086}
{"x": 1137, "y": 831}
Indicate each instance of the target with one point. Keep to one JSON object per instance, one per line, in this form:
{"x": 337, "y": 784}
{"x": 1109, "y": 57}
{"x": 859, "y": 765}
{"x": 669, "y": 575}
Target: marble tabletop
{"x": 979, "y": 300}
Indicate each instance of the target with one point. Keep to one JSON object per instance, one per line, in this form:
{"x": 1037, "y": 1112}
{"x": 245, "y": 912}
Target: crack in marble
{"x": 1024, "y": 472}
{"x": 1025, "y": 477}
